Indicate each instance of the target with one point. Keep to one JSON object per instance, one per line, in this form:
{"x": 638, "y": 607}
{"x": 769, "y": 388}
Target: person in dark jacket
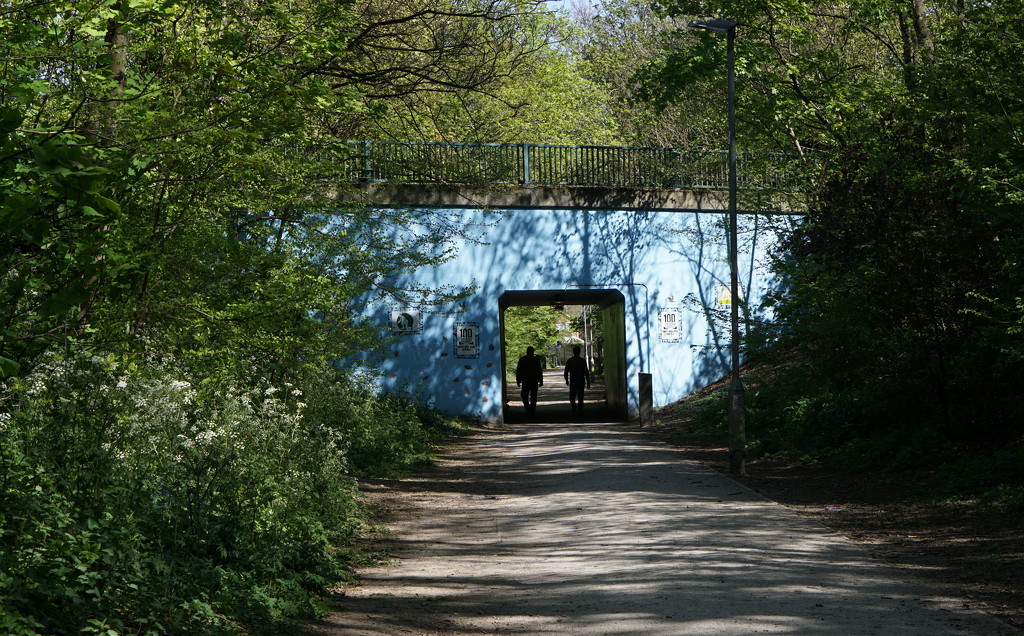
{"x": 529, "y": 376}
{"x": 577, "y": 375}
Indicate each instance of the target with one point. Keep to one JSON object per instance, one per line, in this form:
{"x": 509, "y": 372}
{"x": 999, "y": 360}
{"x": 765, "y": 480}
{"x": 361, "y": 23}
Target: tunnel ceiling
{"x": 540, "y": 297}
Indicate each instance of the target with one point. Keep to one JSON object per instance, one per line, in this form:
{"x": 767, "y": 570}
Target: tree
{"x": 901, "y": 290}
{"x": 804, "y": 70}
{"x": 618, "y": 40}
{"x": 528, "y": 327}
{"x": 156, "y": 168}
{"x": 177, "y": 274}
{"x": 534, "y": 91}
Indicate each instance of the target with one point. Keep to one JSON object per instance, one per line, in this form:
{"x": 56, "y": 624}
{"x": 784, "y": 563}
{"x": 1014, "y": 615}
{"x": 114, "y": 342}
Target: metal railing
{"x": 556, "y": 165}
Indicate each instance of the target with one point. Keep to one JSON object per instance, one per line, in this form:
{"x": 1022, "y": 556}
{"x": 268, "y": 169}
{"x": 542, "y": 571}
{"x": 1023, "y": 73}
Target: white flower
{"x": 206, "y": 436}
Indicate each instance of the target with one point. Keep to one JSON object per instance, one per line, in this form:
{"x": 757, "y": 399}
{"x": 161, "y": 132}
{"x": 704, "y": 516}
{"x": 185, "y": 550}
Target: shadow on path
{"x": 593, "y": 528}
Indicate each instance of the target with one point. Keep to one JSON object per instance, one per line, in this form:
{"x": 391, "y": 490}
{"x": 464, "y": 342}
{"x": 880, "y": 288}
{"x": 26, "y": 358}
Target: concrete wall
{"x": 656, "y": 260}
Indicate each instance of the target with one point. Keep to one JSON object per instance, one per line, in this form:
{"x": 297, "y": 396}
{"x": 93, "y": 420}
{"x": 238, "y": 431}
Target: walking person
{"x": 529, "y": 376}
{"x": 577, "y": 375}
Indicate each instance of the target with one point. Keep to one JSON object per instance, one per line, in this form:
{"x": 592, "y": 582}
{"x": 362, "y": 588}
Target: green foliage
{"x": 805, "y": 71}
{"x": 707, "y": 412}
{"x": 621, "y": 45}
{"x": 535, "y": 90}
{"x": 1005, "y": 498}
{"x": 155, "y": 167}
{"x": 996, "y": 474}
{"x": 139, "y": 501}
{"x": 384, "y": 435}
{"x": 897, "y": 319}
{"x": 903, "y": 285}
{"x": 177, "y": 270}
{"x": 528, "y": 327}
{"x": 176, "y": 447}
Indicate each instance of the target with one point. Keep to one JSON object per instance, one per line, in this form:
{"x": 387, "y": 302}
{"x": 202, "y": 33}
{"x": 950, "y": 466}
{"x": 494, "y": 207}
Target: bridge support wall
{"x": 668, "y": 267}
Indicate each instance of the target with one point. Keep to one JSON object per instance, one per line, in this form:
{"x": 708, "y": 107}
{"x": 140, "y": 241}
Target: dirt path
{"x": 593, "y": 528}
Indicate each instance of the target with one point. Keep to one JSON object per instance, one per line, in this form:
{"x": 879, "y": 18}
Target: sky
{"x": 566, "y": 5}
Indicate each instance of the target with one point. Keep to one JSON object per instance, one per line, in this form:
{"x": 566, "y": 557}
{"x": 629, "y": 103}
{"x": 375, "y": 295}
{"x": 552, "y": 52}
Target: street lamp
{"x": 737, "y": 419}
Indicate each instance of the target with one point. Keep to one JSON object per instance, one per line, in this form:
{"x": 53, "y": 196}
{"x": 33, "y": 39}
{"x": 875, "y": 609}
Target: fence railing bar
{"x": 554, "y": 165}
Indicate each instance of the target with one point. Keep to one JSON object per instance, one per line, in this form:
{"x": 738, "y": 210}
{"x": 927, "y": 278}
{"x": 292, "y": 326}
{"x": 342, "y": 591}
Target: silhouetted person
{"x": 577, "y": 375}
{"x": 529, "y": 376}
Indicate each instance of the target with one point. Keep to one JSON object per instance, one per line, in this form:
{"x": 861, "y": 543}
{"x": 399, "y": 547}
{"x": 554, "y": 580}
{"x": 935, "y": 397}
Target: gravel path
{"x": 594, "y": 528}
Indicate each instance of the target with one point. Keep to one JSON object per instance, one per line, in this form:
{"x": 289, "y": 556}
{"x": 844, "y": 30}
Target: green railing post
{"x": 367, "y": 164}
{"x": 526, "y": 164}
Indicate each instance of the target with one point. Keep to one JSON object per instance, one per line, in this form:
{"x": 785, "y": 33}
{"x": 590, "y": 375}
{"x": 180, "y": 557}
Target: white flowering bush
{"x": 135, "y": 500}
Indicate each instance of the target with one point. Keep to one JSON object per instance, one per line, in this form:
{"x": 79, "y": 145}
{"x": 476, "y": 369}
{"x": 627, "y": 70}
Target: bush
{"x": 136, "y": 500}
{"x": 384, "y": 434}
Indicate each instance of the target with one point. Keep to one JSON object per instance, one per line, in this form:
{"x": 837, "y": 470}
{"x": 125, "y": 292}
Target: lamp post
{"x": 737, "y": 419}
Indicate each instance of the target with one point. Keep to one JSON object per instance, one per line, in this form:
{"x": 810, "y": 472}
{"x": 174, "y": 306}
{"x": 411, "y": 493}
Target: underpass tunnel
{"x": 606, "y": 400}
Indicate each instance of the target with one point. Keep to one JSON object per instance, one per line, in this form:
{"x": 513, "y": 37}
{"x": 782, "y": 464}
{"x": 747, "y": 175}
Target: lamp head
{"x": 718, "y": 26}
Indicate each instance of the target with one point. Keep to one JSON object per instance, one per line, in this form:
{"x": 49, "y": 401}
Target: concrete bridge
{"x": 640, "y": 238}
{"x": 558, "y": 177}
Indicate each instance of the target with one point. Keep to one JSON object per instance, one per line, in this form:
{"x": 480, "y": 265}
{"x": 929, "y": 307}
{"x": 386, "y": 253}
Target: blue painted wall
{"x": 655, "y": 259}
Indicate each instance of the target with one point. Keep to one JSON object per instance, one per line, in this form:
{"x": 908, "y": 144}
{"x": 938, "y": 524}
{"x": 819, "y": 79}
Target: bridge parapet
{"x": 562, "y": 166}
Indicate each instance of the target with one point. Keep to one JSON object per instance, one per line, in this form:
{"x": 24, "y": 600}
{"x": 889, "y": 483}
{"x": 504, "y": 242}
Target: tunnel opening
{"x": 594, "y": 320}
